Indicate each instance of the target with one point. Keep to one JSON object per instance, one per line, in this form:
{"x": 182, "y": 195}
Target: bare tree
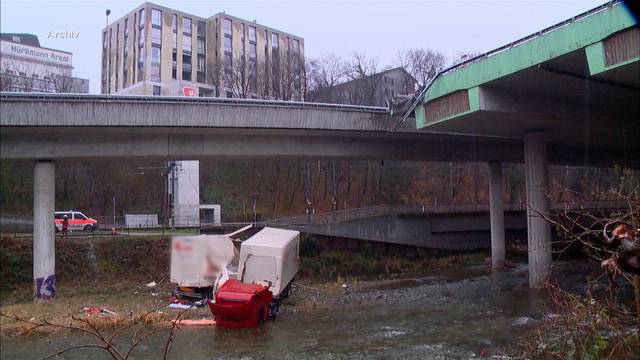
{"x": 107, "y": 342}
{"x": 62, "y": 83}
{"x": 362, "y": 91}
{"x": 323, "y": 74}
{"x": 422, "y": 64}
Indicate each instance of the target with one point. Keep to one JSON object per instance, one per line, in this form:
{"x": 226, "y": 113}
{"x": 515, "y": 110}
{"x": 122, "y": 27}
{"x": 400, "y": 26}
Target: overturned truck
{"x": 243, "y": 287}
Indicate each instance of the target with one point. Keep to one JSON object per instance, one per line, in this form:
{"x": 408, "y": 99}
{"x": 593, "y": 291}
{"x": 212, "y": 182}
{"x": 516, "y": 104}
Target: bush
{"x": 308, "y": 246}
{"x": 581, "y": 327}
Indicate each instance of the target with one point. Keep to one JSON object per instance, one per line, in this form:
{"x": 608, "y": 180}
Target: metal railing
{"x": 381, "y": 210}
{"x": 13, "y": 223}
{"x": 17, "y": 96}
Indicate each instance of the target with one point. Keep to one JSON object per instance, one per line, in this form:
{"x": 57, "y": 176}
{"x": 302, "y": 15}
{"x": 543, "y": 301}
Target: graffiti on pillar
{"x": 45, "y": 287}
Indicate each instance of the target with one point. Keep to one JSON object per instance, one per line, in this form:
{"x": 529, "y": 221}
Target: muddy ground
{"x": 113, "y": 272}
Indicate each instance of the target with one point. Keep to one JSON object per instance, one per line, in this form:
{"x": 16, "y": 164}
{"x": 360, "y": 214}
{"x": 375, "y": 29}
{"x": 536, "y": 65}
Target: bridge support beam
{"x": 538, "y": 229}
{"x": 496, "y": 213}
{"x": 44, "y": 279}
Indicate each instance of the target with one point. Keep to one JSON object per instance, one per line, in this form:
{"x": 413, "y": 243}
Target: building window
{"x": 186, "y": 67}
{"x": 156, "y": 17}
{"x": 125, "y": 55}
{"x": 156, "y": 90}
{"x": 186, "y": 44}
{"x": 174, "y": 64}
{"x": 156, "y": 36}
{"x": 186, "y": 25}
{"x": 275, "y": 64}
{"x": 174, "y": 29}
{"x": 141, "y": 64}
{"x": 297, "y": 64}
{"x": 203, "y": 92}
{"x": 117, "y": 72}
{"x": 201, "y": 46}
{"x": 109, "y": 66}
{"x": 252, "y": 33}
{"x": 201, "y": 75}
{"x": 141, "y": 18}
{"x": 155, "y": 63}
{"x": 242, "y": 46}
{"x": 105, "y": 55}
{"x": 228, "y": 46}
{"x": 226, "y": 24}
{"x": 202, "y": 29}
{"x": 133, "y": 68}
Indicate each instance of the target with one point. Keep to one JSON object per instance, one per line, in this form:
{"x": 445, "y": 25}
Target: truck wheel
{"x": 260, "y": 317}
{"x": 88, "y": 228}
{"x": 287, "y": 292}
{"x": 273, "y": 310}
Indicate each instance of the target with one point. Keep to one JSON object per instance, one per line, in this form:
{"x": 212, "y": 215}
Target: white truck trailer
{"x": 270, "y": 257}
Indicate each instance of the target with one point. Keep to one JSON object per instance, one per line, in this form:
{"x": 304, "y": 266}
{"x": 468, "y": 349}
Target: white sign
{"x": 35, "y": 53}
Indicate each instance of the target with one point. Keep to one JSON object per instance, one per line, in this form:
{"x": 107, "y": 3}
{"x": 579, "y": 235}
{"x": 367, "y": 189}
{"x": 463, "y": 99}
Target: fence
{"x": 12, "y": 223}
{"x": 380, "y": 210}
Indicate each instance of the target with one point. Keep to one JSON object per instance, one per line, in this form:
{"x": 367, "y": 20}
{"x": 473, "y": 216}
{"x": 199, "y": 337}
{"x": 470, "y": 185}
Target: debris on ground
{"x": 93, "y": 310}
{"x": 194, "y": 322}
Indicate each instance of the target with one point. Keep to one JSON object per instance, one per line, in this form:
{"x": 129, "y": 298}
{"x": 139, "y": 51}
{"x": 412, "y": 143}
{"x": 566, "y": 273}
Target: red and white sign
{"x": 188, "y": 91}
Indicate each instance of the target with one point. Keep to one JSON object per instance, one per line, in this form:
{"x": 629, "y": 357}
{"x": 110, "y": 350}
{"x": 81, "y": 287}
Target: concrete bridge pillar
{"x": 44, "y": 278}
{"x": 496, "y": 213}
{"x": 538, "y": 229}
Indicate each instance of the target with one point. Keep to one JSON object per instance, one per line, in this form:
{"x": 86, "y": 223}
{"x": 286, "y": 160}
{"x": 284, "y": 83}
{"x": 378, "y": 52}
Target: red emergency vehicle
{"x": 77, "y": 221}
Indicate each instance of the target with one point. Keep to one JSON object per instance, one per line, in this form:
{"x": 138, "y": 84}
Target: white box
{"x": 270, "y": 257}
{"x": 198, "y": 261}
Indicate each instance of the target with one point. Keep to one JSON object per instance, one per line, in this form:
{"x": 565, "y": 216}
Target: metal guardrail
{"x": 16, "y": 96}
{"x": 380, "y": 210}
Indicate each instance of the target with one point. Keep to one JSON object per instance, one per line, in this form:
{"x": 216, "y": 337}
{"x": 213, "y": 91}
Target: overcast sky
{"x": 375, "y": 27}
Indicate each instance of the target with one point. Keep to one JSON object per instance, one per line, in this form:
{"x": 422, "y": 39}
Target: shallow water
{"x": 460, "y": 319}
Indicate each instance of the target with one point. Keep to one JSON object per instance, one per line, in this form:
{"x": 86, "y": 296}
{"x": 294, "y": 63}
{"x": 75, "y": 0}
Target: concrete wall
{"x": 453, "y": 232}
{"x": 186, "y": 207}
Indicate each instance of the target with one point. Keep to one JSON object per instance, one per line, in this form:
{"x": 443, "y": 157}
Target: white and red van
{"x": 77, "y": 221}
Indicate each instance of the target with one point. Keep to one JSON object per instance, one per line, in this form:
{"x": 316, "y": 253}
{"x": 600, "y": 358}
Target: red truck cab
{"x": 238, "y": 305}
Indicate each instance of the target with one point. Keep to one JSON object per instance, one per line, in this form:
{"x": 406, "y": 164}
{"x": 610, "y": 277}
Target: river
{"x": 473, "y": 317}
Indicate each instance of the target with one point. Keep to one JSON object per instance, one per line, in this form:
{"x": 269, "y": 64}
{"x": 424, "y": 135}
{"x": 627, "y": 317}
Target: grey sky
{"x": 375, "y": 27}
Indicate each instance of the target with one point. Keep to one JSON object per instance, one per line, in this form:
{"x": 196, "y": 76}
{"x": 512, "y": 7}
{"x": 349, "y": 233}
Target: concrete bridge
{"x": 575, "y": 84}
{"x": 449, "y": 227}
{"x": 567, "y": 94}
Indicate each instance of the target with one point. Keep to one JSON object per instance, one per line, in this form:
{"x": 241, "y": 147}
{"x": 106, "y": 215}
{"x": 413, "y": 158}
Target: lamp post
{"x": 108, "y": 12}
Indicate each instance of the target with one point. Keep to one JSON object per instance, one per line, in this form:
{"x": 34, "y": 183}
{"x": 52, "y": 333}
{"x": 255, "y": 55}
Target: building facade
{"x": 25, "y": 66}
{"x": 373, "y": 90}
{"x": 155, "y": 50}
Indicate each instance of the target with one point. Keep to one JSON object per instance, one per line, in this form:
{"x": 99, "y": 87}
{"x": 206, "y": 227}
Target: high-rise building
{"x": 25, "y": 66}
{"x": 155, "y": 50}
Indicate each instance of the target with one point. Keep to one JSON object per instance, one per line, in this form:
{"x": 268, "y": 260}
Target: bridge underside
{"x": 575, "y": 85}
{"x": 585, "y": 99}
{"x": 86, "y": 144}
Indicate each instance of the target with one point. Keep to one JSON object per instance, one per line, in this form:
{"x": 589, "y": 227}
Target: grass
{"x": 123, "y": 265}
{"x": 127, "y": 299}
